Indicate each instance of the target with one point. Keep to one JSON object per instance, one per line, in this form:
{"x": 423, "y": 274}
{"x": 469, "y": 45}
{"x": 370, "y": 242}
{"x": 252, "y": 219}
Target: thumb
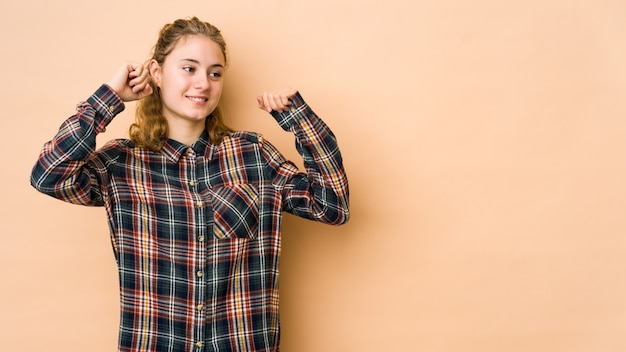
{"x": 147, "y": 90}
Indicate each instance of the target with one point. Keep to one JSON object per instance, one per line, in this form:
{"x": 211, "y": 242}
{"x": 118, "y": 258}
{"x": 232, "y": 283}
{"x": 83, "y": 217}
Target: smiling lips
{"x": 197, "y": 99}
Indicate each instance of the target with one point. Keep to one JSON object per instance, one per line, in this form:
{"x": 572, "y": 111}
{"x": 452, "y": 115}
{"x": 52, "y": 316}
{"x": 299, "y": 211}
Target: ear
{"x": 155, "y": 72}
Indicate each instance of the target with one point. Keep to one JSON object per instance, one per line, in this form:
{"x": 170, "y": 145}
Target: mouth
{"x": 197, "y": 99}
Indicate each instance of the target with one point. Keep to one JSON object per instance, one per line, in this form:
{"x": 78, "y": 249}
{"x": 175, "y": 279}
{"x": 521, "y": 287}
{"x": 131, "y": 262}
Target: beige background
{"x": 485, "y": 145}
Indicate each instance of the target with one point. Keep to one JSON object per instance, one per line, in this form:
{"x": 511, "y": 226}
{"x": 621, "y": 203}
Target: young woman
{"x": 194, "y": 208}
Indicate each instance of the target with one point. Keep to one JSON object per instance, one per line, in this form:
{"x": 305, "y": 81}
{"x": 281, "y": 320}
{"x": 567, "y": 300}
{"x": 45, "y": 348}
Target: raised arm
{"x": 321, "y": 192}
{"x": 63, "y": 169}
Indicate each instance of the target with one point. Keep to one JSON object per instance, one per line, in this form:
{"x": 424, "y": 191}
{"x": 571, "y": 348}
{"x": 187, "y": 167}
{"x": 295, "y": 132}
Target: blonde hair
{"x": 150, "y": 128}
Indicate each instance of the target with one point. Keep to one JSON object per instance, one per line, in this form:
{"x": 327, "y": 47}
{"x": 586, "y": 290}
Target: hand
{"x": 131, "y": 81}
{"x": 277, "y": 100}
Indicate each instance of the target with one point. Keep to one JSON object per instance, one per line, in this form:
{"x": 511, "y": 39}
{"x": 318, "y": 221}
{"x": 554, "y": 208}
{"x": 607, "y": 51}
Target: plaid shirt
{"x": 196, "y": 229}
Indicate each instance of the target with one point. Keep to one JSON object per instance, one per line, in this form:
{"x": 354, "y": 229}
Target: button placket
{"x": 200, "y": 212}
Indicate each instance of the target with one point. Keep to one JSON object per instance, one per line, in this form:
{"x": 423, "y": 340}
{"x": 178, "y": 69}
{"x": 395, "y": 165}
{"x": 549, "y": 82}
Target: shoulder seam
{"x": 252, "y": 137}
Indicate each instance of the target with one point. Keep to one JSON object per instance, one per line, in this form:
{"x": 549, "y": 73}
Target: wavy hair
{"x": 150, "y": 127}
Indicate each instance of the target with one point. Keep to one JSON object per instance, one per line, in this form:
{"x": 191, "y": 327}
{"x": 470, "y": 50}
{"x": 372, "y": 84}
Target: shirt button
{"x": 199, "y": 204}
{"x": 200, "y": 306}
{"x": 112, "y": 108}
{"x": 201, "y": 238}
{"x": 293, "y": 109}
{"x": 199, "y": 273}
{"x": 199, "y": 344}
{"x": 192, "y": 183}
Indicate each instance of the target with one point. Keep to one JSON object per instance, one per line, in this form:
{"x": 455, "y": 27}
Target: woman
{"x": 194, "y": 208}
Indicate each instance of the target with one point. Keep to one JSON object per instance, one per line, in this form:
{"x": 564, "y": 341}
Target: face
{"x": 190, "y": 79}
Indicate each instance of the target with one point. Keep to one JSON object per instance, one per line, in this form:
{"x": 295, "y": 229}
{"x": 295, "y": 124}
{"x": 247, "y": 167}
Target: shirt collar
{"x": 174, "y": 150}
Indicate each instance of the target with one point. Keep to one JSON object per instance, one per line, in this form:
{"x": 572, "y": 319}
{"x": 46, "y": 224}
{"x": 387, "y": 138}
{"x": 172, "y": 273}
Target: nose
{"x": 201, "y": 81}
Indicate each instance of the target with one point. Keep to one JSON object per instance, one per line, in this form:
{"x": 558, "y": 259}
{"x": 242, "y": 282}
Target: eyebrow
{"x": 198, "y": 62}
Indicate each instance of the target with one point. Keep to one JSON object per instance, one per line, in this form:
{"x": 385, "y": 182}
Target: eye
{"x": 215, "y": 75}
{"x": 189, "y": 68}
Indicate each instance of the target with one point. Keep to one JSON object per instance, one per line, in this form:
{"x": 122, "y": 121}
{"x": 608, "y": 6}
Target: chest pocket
{"x": 235, "y": 211}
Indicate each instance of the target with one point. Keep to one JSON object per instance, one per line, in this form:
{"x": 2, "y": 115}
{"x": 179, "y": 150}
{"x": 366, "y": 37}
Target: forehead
{"x": 197, "y": 48}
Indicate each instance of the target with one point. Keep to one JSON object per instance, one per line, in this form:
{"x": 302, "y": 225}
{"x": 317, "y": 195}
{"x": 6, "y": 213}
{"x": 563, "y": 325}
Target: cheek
{"x": 216, "y": 89}
{"x": 171, "y": 87}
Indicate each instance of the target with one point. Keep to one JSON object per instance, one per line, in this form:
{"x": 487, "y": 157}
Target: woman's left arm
{"x": 321, "y": 192}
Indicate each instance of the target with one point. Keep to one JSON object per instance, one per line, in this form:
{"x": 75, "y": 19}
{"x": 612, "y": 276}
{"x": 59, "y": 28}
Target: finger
{"x": 137, "y": 74}
{"x": 147, "y": 90}
{"x": 283, "y": 103}
{"x": 141, "y": 80}
{"x": 142, "y": 76}
{"x": 284, "y": 99}
{"x": 267, "y": 102}
{"x": 259, "y": 102}
{"x": 276, "y": 103}
{"x": 134, "y": 69}
{"x": 145, "y": 70}
{"x": 139, "y": 87}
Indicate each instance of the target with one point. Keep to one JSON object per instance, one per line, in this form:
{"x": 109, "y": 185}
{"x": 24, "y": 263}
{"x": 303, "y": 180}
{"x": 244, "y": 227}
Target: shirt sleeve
{"x": 66, "y": 168}
{"x": 321, "y": 192}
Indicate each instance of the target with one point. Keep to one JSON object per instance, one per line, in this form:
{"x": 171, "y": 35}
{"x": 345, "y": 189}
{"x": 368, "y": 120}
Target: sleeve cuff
{"x": 106, "y": 102}
{"x": 287, "y": 119}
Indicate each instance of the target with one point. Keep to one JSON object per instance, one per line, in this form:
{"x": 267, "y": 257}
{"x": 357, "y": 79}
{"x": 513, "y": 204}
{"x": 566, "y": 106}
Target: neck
{"x": 186, "y": 132}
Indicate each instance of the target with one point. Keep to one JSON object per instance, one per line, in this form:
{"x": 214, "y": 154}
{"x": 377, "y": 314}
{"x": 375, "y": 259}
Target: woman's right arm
{"x": 63, "y": 170}
{"x": 66, "y": 168}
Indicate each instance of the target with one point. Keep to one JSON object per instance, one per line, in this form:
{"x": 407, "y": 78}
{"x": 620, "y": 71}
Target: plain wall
{"x": 484, "y": 142}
